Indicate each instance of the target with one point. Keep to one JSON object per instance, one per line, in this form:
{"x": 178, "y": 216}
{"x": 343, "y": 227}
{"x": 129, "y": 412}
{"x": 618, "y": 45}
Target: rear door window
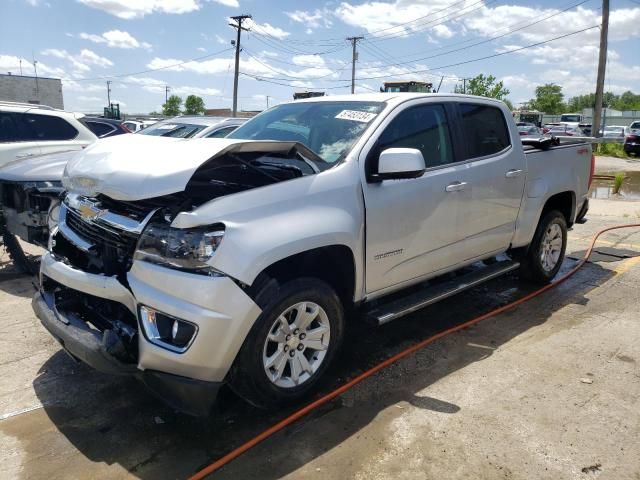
{"x": 45, "y": 127}
{"x": 100, "y": 129}
{"x": 484, "y": 129}
{"x": 223, "y": 132}
{"x": 9, "y": 131}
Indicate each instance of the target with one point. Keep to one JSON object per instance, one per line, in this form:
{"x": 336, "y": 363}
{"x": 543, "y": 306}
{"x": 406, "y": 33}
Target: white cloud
{"x": 81, "y": 63}
{"x": 312, "y": 20}
{"x": 129, "y": 9}
{"x": 228, "y": 3}
{"x": 154, "y": 85}
{"x": 308, "y": 60}
{"x": 92, "y": 58}
{"x": 11, "y": 63}
{"x": 201, "y": 49}
{"x": 442, "y": 31}
{"x": 84, "y": 98}
{"x": 115, "y": 39}
{"x": 267, "y": 29}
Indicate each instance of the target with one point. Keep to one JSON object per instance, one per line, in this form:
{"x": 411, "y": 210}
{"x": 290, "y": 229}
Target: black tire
{"x": 248, "y": 377}
{"x": 25, "y": 263}
{"x": 531, "y": 265}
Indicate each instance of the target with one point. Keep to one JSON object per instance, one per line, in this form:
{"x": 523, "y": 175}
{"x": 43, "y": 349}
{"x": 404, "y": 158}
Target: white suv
{"x": 27, "y": 130}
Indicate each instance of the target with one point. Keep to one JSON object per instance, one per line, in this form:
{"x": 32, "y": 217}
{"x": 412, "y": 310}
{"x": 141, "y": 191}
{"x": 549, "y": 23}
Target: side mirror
{"x": 399, "y": 163}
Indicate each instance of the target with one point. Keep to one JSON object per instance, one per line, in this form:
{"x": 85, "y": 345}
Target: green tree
{"x": 509, "y": 104}
{"x": 172, "y": 107}
{"x": 549, "y": 99}
{"x": 484, "y": 87}
{"x": 193, "y": 105}
{"x": 627, "y": 101}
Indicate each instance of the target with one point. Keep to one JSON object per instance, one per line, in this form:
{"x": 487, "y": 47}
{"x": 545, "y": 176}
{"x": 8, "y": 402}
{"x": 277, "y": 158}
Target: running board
{"x": 399, "y": 307}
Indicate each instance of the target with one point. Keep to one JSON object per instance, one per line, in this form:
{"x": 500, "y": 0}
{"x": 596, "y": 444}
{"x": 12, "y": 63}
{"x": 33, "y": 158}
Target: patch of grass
{"x": 611, "y": 150}
{"x": 618, "y": 180}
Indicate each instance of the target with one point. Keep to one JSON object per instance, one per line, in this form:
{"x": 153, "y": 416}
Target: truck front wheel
{"x": 545, "y": 254}
{"x": 291, "y": 344}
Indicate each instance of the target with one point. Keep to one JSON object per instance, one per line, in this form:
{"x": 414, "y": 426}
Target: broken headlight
{"x": 182, "y": 249}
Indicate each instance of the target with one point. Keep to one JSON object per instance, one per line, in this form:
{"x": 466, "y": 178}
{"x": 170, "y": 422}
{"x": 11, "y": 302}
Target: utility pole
{"x": 602, "y": 66}
{"x": 238, "y": 26}
{"x": 35, "y": 69}
{"x": 166, "y": 93}
{"x": 464, "y": 85}
{"x": 440, "y": 84}
{"x": 354, "y": 58}
{"x": 20, "y": 67}
{"x": 109, "y": 93}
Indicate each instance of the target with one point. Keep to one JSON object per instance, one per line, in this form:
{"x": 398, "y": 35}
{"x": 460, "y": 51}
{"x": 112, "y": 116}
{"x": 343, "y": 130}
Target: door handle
{"x": 25, "y": 155}
{"x": 456, "y": 186}
{"x": 513, "y": 173}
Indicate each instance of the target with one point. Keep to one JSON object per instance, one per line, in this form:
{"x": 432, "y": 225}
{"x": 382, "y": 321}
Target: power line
{"x": 292, "y": 77}
{"x": 439, "y": 21}
{"x": 272, "y": 80}
{"x": 506, "y": 52}
{"x": 487, "y": 40}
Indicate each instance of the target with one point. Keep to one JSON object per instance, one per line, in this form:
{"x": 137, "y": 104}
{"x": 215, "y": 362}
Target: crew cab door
{"x": 497, "y": 171}
{"x": 413, "y": 225}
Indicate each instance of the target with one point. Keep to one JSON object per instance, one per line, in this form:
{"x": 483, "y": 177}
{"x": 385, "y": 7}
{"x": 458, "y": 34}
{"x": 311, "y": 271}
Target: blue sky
{"x": 295, "y": 45}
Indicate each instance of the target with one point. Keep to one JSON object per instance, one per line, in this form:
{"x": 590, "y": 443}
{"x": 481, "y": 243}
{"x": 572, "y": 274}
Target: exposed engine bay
{"x": 30, "y": 209}
{"x": 98, "y": 234}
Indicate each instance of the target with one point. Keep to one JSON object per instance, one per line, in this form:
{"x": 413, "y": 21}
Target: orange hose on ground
{"x": 414, "y": 348}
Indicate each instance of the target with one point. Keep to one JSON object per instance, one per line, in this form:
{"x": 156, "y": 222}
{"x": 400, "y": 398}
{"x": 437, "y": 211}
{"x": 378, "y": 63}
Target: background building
{"x": 39, "y": 91}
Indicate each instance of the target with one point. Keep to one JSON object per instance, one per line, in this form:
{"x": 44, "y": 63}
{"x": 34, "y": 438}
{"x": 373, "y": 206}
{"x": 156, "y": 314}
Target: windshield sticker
{"x": 168, "y": 126}
{"x": 356, "y": 116}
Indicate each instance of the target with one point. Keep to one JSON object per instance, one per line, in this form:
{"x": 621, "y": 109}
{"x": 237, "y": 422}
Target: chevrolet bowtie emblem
{"x": 90, "y": 211}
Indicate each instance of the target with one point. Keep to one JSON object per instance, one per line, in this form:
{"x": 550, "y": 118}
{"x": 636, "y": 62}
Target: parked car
{"x": 28, "y": 130}
{"x": 529, "y": 130}
{"x": 194, "y": 127}
{"x": 105, "y": 127}
{"x": 632, "y": 144}
{"x": 615, "y": 131}
{"x": 634, "y": 127}
{"x": 137, "y": 125}
{"x": 586, "y": 128}
{"x": 30, "y": 189}
{"x": 564, "y": 130}
{"x": 238, "y": 263}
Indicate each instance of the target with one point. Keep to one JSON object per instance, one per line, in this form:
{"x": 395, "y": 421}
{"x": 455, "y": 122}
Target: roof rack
{"x": 25, "y": 104}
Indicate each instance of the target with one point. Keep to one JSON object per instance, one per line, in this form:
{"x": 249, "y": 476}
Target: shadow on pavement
{"x": 113, "y": 420}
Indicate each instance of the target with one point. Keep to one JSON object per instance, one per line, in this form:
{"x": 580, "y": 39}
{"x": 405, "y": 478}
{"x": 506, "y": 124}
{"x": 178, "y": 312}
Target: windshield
{"x": 327, "y": 128}
{"x": 172, "y": 129}
{"x": 570, "y": 118}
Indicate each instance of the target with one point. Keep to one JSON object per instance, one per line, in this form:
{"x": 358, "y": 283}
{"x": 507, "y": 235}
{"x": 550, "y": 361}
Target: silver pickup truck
{"x": 190, "y": 264}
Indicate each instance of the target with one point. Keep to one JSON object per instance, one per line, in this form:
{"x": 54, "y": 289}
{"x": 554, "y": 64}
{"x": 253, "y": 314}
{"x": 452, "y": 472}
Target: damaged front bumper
{"x": 188, "y": 395}
{"x": 71, "y": 303}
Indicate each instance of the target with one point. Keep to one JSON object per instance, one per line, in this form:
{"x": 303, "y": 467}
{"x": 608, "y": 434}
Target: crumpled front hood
{"x": 37, "y": 169}
{"x": 136, "y": 167}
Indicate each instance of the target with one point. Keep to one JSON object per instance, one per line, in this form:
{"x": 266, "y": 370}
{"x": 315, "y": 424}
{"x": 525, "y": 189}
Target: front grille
{"x": 99, "y": 235}
{"x": 96, "y": 245}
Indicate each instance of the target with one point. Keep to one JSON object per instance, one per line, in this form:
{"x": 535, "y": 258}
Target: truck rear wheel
{"x": 545, "y": 254}
{"x": 291, "y": 344}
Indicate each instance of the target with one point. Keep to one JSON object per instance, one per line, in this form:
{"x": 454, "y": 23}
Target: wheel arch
{"x": 334, "y": 264}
